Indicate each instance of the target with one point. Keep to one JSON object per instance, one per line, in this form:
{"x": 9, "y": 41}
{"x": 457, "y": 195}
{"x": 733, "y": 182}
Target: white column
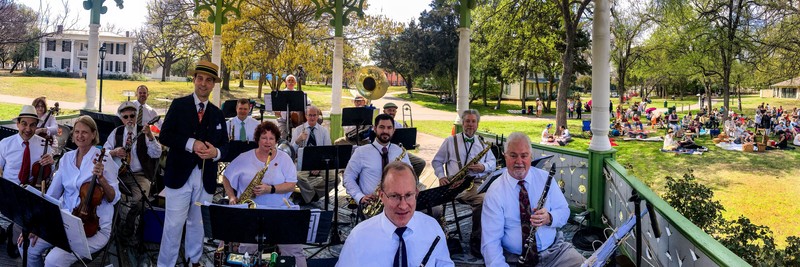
{"x": 216, "y": 58}
{"x": 42, "y": 52}
{"x": 462, "y": 99}
{"x": 93, "y": 63}
{"x": 336, "y": 91}
{"x": 601, "y": 79}
{"x": 72, "y": 57}
{"x": 129, "y": 52}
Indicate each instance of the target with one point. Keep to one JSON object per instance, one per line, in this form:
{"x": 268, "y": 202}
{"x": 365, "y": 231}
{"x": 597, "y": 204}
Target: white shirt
{"x": 68, "y": 179}
{"x": 446, "y": 156}
{"x": 11, "y": 151}
{"x": 153, "y": 147}
{"x": 374, "y": 243}
{"x": 52, "y": 125}
{"x": 235, "y": 124}
{"x": 321, "y": 135}
{"x": 500, "y": 219}
{"x": 363, "y": 172}
{"x": 148, "y": 113}
{"x": 241, "y": 171}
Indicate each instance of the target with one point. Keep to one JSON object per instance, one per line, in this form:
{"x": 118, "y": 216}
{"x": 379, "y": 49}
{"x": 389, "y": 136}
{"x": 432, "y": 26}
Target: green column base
{"x": 597, "y": 185}
{"x": 336, "y": 127}
{"x": 458, "y": 127}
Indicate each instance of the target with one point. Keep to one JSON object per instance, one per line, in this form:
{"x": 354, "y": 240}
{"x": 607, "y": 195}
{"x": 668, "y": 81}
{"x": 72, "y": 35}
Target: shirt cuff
{"x": 189, "y": 145}
{"x": 219, "y": 155}
{"x": 358, "y": 197}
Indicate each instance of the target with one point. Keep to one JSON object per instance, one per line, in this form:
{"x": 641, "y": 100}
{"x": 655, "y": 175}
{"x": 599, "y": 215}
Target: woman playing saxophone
{"x": 277, "y": 182}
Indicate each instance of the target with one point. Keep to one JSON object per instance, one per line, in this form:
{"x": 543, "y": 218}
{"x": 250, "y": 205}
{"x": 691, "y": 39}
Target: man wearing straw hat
{"x": 194, "y": 130}
{"x": 16, "y": 158}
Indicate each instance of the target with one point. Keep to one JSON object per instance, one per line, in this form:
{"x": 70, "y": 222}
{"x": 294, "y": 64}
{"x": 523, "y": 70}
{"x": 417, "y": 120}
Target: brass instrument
{"x": 530, "y": 243}
{"x": 247, "y": 195}
{"x": 462, "y": 173}
{"x": 375, "y": 206}
{"x": 371, "y": 82}
{"x": 406, "y": 106}
{"x": 230, "y": 136}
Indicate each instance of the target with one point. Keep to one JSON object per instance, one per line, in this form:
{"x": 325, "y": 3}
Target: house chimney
{"x": 60, "y": 29}
{"x": 127, "y": 34}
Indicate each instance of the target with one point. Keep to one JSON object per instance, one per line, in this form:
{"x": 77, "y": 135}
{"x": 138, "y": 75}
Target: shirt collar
{"x": 378, "y": 144}
{"x": 513, "y": 182}
{"x": 388, "y": 227}
{"x": 197, "y": 101}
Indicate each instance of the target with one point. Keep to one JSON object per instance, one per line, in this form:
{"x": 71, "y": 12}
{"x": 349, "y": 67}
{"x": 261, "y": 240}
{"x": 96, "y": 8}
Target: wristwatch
{"x": 272, "y": 189}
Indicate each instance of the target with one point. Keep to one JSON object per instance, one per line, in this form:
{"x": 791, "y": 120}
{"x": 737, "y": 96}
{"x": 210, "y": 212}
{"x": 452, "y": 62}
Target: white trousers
{"x": 180, "y": 209}
{"x": 58, "y": 257}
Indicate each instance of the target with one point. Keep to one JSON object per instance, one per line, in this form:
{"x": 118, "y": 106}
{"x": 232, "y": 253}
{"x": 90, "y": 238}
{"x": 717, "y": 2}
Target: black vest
{"x": 148, "y": 164}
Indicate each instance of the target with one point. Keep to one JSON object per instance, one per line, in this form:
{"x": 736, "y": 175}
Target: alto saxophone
{"x": 247, "y": 195}
{"x": 230, "y": 136}
{"x": 530, "y": 243}
{"x": 462, "y": 173}
{"x": 375, "y": 206}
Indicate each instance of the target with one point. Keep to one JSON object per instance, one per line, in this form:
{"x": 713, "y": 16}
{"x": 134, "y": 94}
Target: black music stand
{"x": 263, "y": 226}
{"x": 405, "y": 136}
{"x": 325, "y": 157}
{"x": 436, "y": 196}
{"x": 33, "y": 214}
{"x": 235, "y": 148}
{"x": 357, "y": 116}
{"x": 287, "y": 101}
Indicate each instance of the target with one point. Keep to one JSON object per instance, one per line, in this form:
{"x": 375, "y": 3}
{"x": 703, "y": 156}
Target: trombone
{"x": 406, "y": 106}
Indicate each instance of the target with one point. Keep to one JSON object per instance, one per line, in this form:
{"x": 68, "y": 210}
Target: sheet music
{"x": 313, "y": 225}
{"x": 268, "y": 102}
{"x": 73, "y": 226}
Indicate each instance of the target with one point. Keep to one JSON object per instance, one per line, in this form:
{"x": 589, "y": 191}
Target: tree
{"x": 571, "y": 15}
{"x": 626, "y": 27}
{"x": 396, "y": 53}
{"x": 168, "y": 32}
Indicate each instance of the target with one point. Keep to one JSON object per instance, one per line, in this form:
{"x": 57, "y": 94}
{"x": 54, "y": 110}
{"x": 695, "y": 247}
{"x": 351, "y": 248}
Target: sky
{"x": 133, "y": 15}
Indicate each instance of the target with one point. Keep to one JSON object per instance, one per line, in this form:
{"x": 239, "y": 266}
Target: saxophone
{"x": 530, "y": 243}
{"x": 247, "y": 195}
{"x": 462, "y": 173}
{"x": 375, "y": 206}
{"x": 230, "y": 136}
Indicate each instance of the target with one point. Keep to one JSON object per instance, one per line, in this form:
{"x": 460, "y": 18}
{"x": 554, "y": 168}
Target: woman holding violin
{"x": 86, "y": 184}
{"x": 47, "y": 120}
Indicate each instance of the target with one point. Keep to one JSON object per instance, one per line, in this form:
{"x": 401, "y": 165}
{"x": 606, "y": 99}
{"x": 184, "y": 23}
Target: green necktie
{"x": 242, "y": 133}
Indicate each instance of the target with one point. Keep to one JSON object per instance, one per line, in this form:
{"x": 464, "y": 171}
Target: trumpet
{"x": 375, "y": 206}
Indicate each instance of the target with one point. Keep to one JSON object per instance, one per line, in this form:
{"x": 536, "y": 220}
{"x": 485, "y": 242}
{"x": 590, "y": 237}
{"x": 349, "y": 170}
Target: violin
{"x": 41, "y": 174}
{"x": 55, "y": 109}
{"x": 91, "y": 195}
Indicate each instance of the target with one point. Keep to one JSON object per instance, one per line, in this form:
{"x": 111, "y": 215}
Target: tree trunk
{"x": 14, "y": 67}
{"x": 500, "y": 95}
{"x": 484, "y": 89}
{"x": 226, "y": 77}
{"x": 409, "y": 86}
{"x": 739, "y": 93}
{"x": 563, "y": 85}
{"x": 261, "y": 79}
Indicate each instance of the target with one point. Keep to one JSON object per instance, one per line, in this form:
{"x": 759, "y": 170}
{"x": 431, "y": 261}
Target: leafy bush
{"x": 139, "y": 77}
{"x": 51, "y": 73}
{"x": 753, "y": 243}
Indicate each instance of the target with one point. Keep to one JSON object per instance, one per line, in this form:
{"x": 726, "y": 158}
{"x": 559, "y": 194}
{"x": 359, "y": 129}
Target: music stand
{"x": 235, "y": 148}
{"x": 325, "y": 157}
{"x": 287, "y": 101}
{"x": 357, "y": 116}
{"x": 405, "y": 136}
{"x": 263, "y": 225}
{"x": 34, "y": 214}
{"x": 436, "y": 196}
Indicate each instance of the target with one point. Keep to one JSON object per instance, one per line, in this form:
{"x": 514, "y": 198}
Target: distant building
{"x": 785, "y": 89}
{"x": 513, "y": 91}
{"x": 68, "y": 51}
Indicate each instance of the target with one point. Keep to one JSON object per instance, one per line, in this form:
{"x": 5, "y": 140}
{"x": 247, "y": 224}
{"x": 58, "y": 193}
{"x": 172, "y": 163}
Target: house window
{"x": 48, "y": 62}
{"x": 66, "y": 46}
{"x": 117, "y": 66}
{"x": 84, "y": 47}
{"x": 65, "y": 63}
{"x": 124, "y": 66}
{"x": 110, "y": 48}
{"x": 51, "y": 45}
{"x": 124, "y": 49}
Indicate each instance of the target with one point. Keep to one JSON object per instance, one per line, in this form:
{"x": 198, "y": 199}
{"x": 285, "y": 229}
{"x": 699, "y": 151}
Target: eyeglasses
{"x": 132, "y": 116}
{"x": 396, "y": 198}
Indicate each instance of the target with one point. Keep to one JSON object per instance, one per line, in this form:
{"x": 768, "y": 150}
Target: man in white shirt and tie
{"x": 312, "y": 183}
{"x": 453, "y": 155}
{"x": 508, "y": 213}
{"x": 363, "y": 173}
{"x": 416, "y": 162}
{"x": 144, "y": 112}
{"x": 399, "y": 236}
{"x": 242, "y": 127}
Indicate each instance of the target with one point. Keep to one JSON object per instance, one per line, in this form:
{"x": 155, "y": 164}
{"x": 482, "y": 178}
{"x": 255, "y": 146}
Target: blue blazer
{"x": 180, "y": 124}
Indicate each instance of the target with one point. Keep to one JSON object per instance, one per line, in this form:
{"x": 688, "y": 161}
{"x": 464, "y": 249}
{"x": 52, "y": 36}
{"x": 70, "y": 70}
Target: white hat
{"x": 126, "y": 105}
{"x": 27, "y": 111}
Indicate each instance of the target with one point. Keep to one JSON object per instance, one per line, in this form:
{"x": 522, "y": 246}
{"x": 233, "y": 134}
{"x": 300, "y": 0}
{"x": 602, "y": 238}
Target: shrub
{"x": 139, "y": 77}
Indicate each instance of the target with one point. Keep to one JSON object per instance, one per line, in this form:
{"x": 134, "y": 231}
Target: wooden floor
{"x": 147, "y": 255}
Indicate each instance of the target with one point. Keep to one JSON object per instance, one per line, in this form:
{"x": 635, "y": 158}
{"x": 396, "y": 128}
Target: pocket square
{"x": 219, "y": 126}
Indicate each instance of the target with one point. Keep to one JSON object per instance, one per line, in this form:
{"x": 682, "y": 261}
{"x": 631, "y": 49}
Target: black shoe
{"x": 11, "y": 247}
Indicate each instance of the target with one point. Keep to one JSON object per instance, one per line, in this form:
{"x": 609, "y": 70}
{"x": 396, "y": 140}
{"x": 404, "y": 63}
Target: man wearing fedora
{"x": 138, "y": 150}
{"x": 194, "y": 130}
{"x": 17, "y": 154}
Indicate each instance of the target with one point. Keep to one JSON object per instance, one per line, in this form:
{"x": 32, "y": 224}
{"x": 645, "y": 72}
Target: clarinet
{"x": 530, "y": 243}
{"x": 430, "y": 251}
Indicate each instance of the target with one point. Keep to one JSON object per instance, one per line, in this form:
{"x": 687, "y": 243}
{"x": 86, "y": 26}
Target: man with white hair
{"x": 508, "y": 215}
{"x": 283, "y": 118}
{"x": 138, "y": 150}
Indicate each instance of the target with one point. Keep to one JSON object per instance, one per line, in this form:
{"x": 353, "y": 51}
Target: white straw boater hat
{"x": 207, "y": 68}
{"x": 27, "y": 111}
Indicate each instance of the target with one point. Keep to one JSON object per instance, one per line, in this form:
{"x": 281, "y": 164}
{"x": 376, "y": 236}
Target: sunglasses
{"x": 132, "y": 116}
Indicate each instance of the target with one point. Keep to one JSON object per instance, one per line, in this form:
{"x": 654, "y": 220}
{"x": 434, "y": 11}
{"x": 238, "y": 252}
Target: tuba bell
{"x": 371, "y": 82}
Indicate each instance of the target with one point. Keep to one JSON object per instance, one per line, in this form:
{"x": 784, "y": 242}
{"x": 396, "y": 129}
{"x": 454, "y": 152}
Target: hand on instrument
{"x": 444, "y": 181}
{"x": 541, "y": 217}
{"x": 315, "y": 172}
{"x": 118, "y": 152}
{"x": 232, "y": 200}
{"x": 33, "y": 238}
{"x": 198, "y": 146}
{"x": 209, "y": 152}
{"x": 302, "y": 137}
{"x": 40, "y": 130}
{"x": 146, "y": 131}
{"x": 476, "y": 167}
{"x": 367, "y": 198}
{"x": 261, "y": 189}
{"x": 47, "y": 159}
{"x": 98, "y": 168}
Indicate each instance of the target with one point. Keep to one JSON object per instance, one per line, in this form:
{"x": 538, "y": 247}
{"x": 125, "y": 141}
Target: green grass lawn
{"x": 10, "y": 111}
{"x": 432, "y": 102}
{"x": 761, "y": 186}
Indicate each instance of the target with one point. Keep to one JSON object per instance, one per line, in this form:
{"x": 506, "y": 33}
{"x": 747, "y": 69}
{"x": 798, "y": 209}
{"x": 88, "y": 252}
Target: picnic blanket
{"x": 554, "y": 143}
{"x": 649, "y": 139}
{"x": 730, "y": 146}
{"x": 684, "y": 151}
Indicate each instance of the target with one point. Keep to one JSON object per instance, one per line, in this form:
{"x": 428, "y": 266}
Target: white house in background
{"x": 513, "y": 91}
{"x": 68, "y": 51}
{"x": 785, "y": 89}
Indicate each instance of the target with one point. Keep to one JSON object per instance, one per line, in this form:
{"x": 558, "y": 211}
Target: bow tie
{"x": 469, "y": 139}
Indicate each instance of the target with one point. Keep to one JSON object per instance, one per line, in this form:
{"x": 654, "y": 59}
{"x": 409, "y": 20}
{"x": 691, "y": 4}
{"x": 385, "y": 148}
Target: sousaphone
{"x": 371, "y": 83}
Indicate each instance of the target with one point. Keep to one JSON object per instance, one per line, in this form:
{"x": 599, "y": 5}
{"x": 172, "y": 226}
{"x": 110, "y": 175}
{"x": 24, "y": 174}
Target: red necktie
{"x": 25, "y": 169}
{"x": 384, "y": 157}
{"x": 525, "y": 220}
{"x": 200, "y": 112}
